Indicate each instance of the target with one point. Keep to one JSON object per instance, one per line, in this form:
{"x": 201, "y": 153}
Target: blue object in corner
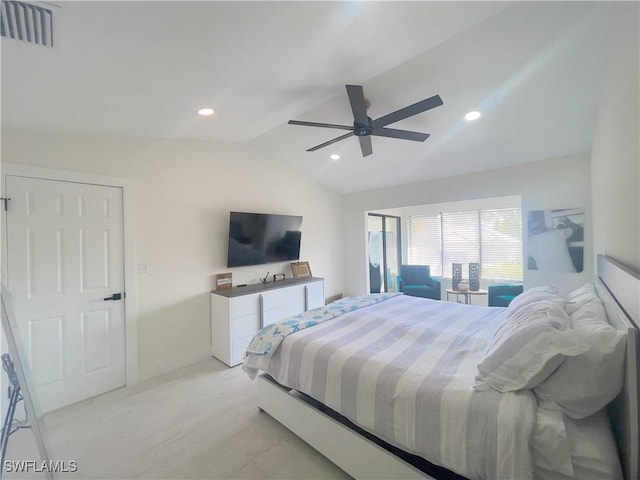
{"x": 416, "y": 280}
{"x": 501, "y": 295}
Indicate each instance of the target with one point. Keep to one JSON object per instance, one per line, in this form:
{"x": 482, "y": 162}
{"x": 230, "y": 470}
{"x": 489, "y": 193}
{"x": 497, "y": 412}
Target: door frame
{"x": 128, "y": 220}
{"x": 384, "y": 217}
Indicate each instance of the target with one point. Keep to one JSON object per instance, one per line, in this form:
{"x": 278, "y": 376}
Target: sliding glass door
{"x": 384, "y": 252}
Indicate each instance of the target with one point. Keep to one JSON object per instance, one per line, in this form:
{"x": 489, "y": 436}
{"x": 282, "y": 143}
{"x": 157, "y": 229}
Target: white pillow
{"x": 585, "y": 290}
{"x": 586, "y": 383}
{"x": 528, "y": 347}
{"x": 532, "y": 295}
{"x": 586, "y": 310}
{"x": 581, "y": 296}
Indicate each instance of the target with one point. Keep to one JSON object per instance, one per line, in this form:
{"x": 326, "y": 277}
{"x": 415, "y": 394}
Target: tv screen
{"x": 257, "y": 238}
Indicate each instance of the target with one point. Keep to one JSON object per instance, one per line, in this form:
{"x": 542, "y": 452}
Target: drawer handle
{"x": 261, "y": 312}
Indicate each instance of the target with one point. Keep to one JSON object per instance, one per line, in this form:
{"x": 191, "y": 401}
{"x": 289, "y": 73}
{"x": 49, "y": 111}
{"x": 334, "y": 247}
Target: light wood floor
{"x": 201, "y": 421}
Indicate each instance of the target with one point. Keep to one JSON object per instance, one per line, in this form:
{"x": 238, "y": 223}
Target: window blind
{"x": 460, "y": 241}
{"x": 492, "y": 237}
{"x": 425, "y": 242}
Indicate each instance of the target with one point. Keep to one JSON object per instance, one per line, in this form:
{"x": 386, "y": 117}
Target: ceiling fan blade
{"x": 406, "y": 112}
{"x": 402, "y": 134}
{"x": 324, "y": 125}
{"x": 365, "y": 145}
{"x": 337, "y": 139}
{"x": 358, "y": 106}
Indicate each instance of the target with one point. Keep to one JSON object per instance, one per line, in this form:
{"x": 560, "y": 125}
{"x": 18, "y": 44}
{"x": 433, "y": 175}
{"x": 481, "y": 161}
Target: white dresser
{"x": 238, "y": 313}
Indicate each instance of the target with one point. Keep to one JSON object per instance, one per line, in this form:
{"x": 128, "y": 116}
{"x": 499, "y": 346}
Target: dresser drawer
{"x": 294, "y": 294}
{"x": 295, "y": 308}
{"x": 244, "y": 305}
{"x": 239, "y": 348}
{"x": 244, "y": 326}
{"x": 274, "y": 315}
{"x": 274, "y": 299}
{"x": 315, "y": 295}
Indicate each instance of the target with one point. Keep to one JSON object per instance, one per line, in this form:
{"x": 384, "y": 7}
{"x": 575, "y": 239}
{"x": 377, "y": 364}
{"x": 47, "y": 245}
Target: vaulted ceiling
{"x": 533, "y": 69}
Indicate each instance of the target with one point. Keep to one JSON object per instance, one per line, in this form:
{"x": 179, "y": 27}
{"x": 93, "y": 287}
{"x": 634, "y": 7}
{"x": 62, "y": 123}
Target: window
{"x": 492, "y": 237}
{"x": 425, "y": 242}
{"x": 460, "y": 241}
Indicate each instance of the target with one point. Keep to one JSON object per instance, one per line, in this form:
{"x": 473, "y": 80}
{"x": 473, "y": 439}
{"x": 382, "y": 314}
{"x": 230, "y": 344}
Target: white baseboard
{"x": 173, "y": 362}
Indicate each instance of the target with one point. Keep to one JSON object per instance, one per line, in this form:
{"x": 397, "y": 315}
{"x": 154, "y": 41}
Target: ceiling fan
{"x": 363, "y": 126}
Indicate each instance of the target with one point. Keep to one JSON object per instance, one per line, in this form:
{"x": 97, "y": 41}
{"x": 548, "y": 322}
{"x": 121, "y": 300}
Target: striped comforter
{"x": 403, "y": 370}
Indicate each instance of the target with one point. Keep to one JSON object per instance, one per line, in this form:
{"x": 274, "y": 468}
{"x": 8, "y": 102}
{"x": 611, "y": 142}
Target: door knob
{"x": 115, "y": 296}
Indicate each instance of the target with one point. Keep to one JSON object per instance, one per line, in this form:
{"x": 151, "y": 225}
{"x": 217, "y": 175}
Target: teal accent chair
{"x": 416, "y": 280}
{"x": 501, "y": 295}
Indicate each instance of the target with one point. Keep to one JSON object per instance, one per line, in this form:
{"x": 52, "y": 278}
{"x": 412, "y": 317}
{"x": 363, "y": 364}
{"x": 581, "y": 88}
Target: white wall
{"x": 615, "y": 160}
{"x": 184, "y": 192}
{"x": 556, "y": 183}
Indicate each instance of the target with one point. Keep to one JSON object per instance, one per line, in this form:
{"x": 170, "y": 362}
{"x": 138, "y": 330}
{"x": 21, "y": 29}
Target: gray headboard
{"x": 619, "y": 289}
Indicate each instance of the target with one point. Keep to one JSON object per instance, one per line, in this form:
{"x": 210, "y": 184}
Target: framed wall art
{"x": 555, "y": 240}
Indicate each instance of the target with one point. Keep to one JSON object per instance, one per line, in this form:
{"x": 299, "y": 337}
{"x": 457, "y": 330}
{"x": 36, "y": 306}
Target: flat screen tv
{"x": 258, "y": 238}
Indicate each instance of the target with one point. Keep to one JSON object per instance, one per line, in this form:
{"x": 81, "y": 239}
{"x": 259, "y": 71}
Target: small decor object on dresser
{"x": 474, "y": 277}
{"x": 278, "y": 276}
{"x": 300, "y": 269}
{"x": 223, "y": 281}
{"x": 456, "y": 275}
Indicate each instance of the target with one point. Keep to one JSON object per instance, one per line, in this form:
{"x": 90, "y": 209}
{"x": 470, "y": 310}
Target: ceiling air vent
{"x": 27, "y": 22}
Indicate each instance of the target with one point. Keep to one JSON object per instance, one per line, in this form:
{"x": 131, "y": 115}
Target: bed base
{"x": 352, "y": 452}
{"x": 618, "y": 289}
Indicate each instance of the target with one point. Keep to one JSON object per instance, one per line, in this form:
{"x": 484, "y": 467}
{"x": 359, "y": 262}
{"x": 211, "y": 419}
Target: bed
{"x": 389, "y": 387}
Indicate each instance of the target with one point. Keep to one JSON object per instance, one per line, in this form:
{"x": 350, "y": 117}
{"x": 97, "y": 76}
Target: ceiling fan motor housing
{"x": 361, "y": 130}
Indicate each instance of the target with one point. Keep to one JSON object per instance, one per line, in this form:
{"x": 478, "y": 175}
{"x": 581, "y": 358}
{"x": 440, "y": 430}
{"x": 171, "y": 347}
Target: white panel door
{"x": 65, "y": 257}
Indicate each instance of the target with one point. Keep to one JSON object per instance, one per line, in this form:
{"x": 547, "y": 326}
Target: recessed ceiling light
{"x": 205, "y": 111}
{"x": 472, "y": 115}
{"x": 335, "y": 156}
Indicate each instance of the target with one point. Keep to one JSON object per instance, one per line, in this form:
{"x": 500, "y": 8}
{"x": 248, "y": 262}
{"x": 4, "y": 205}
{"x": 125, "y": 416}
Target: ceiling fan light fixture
{"x": 205, "y": 112}
{"x": 471, "y": 116}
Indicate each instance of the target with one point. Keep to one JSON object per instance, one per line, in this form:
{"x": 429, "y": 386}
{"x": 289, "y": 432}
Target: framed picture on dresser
{"x": 301, "y": 269}
{"x": 224, "y": 281}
